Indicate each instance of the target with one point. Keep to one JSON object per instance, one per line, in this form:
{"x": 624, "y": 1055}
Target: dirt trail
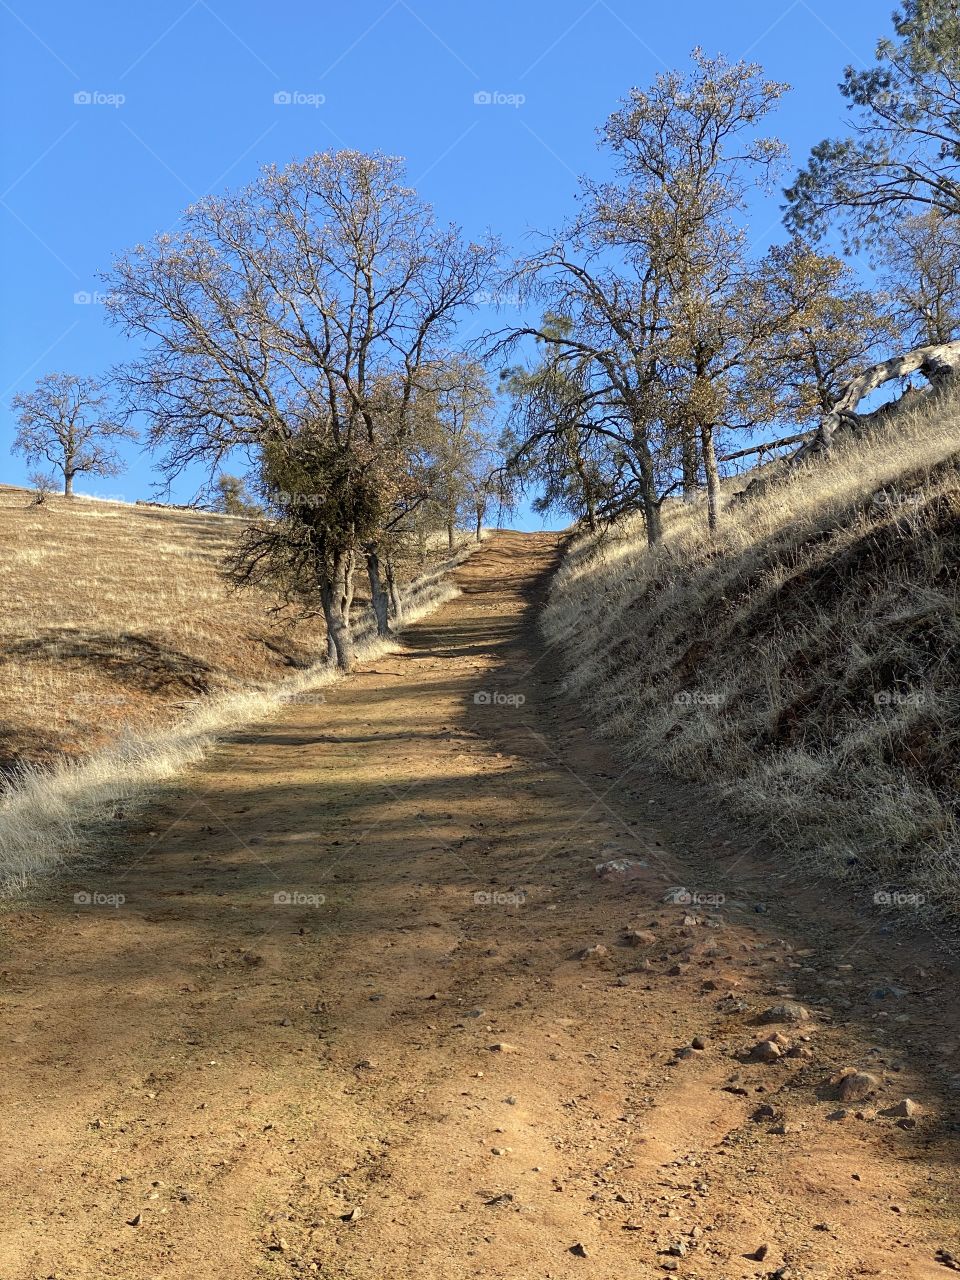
{"x": 211, "y": 1080}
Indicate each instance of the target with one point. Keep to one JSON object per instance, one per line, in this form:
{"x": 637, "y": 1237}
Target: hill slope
{"x": 116, "y": 617}
{"x": 805, "y": 660}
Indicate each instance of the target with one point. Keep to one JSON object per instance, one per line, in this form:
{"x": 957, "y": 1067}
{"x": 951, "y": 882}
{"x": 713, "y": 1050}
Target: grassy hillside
{"x": 806, "y": 660}
{"x": 115, "y": 618}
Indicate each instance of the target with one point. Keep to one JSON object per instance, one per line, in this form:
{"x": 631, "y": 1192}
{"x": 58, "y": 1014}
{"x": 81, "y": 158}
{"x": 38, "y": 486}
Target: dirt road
{"x": 339, "y": 1025}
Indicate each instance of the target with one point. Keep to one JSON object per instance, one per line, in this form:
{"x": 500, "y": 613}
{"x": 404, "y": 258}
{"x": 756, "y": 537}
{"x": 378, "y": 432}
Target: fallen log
{"x": 937, "y": 363}
{"x": 768, "y": 445}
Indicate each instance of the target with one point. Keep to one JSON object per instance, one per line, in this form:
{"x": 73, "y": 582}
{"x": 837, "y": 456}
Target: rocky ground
{"x": 421, "y": 981}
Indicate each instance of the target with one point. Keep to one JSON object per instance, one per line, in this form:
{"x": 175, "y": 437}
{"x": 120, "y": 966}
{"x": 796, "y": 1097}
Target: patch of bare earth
{"x": 340, "y": 1027}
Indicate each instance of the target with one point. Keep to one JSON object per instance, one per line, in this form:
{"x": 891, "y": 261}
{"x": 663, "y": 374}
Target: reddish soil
{"x": 207, "y": 1081}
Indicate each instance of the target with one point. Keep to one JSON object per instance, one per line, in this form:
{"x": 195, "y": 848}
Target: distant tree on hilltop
{"x": 66, "y": 421}
{"x": 233, "y": 498}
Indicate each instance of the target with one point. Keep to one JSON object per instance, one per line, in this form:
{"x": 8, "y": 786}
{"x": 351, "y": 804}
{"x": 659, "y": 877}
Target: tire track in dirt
{"x": 210, "y": 1082}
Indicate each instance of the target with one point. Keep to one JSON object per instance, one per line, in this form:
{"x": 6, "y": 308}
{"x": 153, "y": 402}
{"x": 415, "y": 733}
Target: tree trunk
{"x": 396, "y": 599}
{"x": 450, "y": 533}
{"x": 648, "y": 488}
{"x": 336, "y": 596}
{"x": 68, "y": 484}
{"x": 688, "y": 462}
{"x": 378, "y": 594}
{"x": 936, "y": 363}
{"x": 713, "y": 476}
{"x": 479, "y": 529}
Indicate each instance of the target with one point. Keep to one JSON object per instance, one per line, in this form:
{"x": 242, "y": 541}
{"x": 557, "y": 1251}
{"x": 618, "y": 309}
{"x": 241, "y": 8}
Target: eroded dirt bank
{"x": 339, "y": 1025}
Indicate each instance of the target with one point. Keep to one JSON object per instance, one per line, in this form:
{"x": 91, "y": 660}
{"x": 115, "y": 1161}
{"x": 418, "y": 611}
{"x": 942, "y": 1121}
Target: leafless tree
{"x": 68, "y": 421}
{"x": 275, "y": 319}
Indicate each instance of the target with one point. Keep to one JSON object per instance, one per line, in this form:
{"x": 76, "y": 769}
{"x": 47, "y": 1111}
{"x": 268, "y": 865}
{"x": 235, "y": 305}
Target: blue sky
{"x": 184, "y": 101}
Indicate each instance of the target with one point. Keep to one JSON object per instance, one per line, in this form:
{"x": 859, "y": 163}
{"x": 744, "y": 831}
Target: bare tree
{"x": 454, "y": 417}
{"x": 275, "y": 318}
{"x": 67, "y": 420}
{"x": 600, "y": 335}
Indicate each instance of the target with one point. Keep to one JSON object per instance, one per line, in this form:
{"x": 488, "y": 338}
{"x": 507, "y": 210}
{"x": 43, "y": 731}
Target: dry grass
{"x": 805, "y": 660}
{"x": 116, "y": 619}
{"x": 48, "y": 815}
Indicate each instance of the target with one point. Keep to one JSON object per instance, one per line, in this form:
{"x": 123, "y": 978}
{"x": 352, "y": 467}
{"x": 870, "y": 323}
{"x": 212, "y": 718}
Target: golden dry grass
{"x": 116, "y": 666}
{"x": 805, "y": 659}
{"x": 116, "y": 619}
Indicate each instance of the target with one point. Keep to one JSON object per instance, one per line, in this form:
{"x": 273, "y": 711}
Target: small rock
{"x": 783, "y": 1128}
{"x": 502, "y": 1046}
{"x": 598, "y": 954}
{"x": 678, "y": 1249}
{"x": 906, "y": 1107}
{"x": 639, "y": 938}
{"x": 789, "y": 1011}
{"x": 500, "y": 1151}
{"x": 851, "y": 1085}
{"x": 765, "y": 1112}
{"x": 353, "y": 1215}
{"x": 947, "y": 1259}
{"x": 766, "y": 1051}
{"x": 699, "y": 1042}
{"x": 578, "y": 1250}
{"x": 840, "y": 1114}
{"x": 759, "y": 1253}
{"x": 135, "y": 1220}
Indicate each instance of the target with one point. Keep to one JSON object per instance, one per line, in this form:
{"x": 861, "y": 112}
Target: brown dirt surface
{"x": 339, "y": 1026}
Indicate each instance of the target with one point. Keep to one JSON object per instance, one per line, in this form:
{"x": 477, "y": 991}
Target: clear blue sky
{"x": 185, "y": 104}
